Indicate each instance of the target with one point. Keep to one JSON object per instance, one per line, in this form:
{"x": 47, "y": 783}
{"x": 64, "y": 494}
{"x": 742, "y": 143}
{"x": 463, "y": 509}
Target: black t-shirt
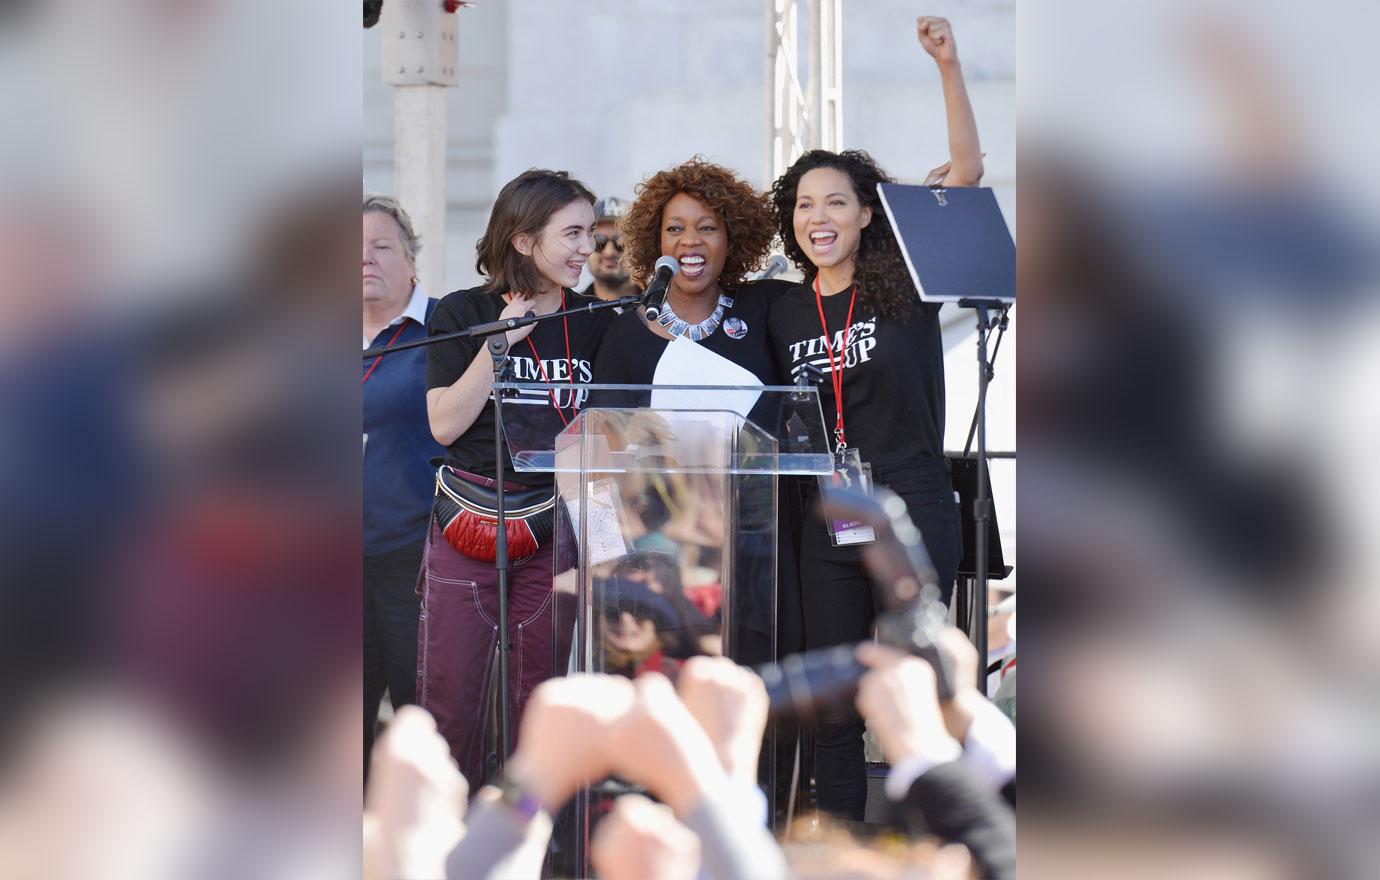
{"x": 893, "y": 376}
{"x": 631, "y": 351}
{"x": 448, "y": 361}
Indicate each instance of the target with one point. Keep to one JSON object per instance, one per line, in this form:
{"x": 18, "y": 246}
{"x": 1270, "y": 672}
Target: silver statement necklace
{"x": 678, "y": 326}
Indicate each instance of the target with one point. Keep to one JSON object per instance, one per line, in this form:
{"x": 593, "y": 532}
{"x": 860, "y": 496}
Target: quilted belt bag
{"x": 468, "y": 515}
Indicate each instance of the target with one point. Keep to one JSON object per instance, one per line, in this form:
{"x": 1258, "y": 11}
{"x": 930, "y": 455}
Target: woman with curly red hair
{"x": 718, "y": 228}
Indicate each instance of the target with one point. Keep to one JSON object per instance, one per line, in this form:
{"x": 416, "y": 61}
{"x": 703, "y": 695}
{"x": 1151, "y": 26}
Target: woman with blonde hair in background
{"x": 398, "y": 448}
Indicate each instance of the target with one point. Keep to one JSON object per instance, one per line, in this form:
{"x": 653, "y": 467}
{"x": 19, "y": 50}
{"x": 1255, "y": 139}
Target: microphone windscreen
{"x": 775, "y": 266}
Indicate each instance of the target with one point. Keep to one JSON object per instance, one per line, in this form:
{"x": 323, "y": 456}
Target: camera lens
{"x": 818, "y": 684}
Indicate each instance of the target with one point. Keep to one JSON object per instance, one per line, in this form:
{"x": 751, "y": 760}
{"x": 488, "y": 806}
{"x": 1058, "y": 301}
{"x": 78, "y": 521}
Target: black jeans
{"x": 391, "y": 606}
{"x": 838, "y": 606}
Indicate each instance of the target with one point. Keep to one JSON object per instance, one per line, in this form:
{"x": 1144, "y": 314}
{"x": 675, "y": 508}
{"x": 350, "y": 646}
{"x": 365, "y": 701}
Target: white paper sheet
{"x": 689, "y": 363}
{"x": 606, "y": 529}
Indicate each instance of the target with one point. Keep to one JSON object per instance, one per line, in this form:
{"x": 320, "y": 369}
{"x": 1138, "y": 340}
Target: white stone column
{"x": 419, "y": 57}
{"x": 419, "y": 134}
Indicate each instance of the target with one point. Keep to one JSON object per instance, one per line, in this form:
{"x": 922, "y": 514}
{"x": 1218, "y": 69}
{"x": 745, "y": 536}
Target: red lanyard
{"x": 375, "y": 364}
{"x": 836, "y": 369}
{"x": 569, "y": 363}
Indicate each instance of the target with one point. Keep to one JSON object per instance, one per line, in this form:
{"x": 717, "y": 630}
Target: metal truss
{"x": 809, "y": 117}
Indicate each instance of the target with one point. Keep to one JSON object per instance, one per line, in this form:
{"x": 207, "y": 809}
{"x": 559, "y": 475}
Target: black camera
{"x": 804, "y": 688}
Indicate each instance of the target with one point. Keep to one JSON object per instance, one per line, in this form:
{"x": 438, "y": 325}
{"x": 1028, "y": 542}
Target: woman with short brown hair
{"x": 539, "y": 235}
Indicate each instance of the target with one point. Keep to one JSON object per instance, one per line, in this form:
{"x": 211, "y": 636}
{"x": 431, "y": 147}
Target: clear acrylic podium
{"x": 666, "y": 530}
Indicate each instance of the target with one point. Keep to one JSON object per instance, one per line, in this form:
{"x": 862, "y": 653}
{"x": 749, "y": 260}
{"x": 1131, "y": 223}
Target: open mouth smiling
{"x": 692, "y": 265}
{"x": 822, "y": 240}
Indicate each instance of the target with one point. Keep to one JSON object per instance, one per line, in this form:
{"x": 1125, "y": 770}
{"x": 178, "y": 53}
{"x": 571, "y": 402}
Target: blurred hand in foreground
{"x": 565, "y": 736}
{"x": 730, "y": 703}
{"x": 660, "y": 745}
{"x": 416, "y": 801}
{"x": 901, "y": 704}
{"x": 640, "y": 839}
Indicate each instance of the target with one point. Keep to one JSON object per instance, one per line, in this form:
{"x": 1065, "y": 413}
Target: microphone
{"x": 775, "y": 266}
{"x": 655, "y": 297}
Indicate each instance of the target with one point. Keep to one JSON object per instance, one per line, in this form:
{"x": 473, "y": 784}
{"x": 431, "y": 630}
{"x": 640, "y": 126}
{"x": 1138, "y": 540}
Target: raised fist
{"x": 640, "y": 839}
{"x": 901, "y": 704}
{"x": 730, "y": 703}
{"x": 416, "y": 800}
{"x": 659, "y": 744}
{"x": 563, "y": 740}
{"x": 937, "y": 36}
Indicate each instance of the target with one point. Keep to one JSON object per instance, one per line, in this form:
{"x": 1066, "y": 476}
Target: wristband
{"x": 518, "y": 798}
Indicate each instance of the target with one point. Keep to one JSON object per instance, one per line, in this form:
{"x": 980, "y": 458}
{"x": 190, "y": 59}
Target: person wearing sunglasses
{"x": 606, "y": 265}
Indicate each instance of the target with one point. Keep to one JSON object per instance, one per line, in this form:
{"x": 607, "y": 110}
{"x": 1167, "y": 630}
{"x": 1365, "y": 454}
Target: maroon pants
{"x": 457, "y": 639}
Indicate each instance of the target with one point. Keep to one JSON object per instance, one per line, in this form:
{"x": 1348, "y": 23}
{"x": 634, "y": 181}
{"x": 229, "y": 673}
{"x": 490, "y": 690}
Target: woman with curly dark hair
{"x": 857, "y": 318}
{"x": 718, "y": 228}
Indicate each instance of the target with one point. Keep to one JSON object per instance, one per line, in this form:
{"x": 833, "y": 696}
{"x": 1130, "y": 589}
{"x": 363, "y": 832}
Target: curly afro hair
{"x": 879, "y": 269}
{"x": 745, "y": 213}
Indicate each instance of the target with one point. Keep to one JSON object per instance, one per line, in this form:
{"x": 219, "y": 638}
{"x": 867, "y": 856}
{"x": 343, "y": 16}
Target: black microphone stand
{"x": 505, "y": 325}
{"x": 498, "y": 351}
{"x": 982, "y": 504}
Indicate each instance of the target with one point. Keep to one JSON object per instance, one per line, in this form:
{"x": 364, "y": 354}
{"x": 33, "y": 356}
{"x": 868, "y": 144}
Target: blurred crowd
{"x": 694, "y": 747}
{"x": 1197, "y": 430}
